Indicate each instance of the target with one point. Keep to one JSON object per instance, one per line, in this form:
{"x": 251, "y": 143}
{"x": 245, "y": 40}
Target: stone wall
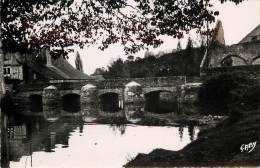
{"x": 107, "y": 84}
{"x": 242, "y": 54}
{"x": 51, "y": 101}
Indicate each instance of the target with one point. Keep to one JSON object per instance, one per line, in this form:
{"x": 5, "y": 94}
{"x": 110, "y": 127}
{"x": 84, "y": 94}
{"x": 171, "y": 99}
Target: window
{"x": 7, "y": 70}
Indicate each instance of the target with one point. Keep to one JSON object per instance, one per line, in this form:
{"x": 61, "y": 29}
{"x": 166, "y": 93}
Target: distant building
{"x": 245, "y": 53}
{"x": 253, "y": 36}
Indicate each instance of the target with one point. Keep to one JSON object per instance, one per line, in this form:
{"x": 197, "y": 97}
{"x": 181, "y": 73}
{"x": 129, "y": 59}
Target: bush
{"x": 152, "y": 121}
{"x": 221, "y": 94}
{"x": 252, "y": 98}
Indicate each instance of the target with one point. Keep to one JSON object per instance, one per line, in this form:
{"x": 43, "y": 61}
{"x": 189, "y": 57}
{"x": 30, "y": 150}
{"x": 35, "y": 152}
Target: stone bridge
{"x": 96, "y": 97}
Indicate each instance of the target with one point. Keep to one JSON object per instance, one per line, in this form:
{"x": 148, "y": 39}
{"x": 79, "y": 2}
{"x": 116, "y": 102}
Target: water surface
{"x": 72, "y": 143}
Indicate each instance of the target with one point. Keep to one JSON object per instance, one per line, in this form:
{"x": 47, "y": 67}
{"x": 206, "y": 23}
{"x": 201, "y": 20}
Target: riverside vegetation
{"x": 234, "y": 95}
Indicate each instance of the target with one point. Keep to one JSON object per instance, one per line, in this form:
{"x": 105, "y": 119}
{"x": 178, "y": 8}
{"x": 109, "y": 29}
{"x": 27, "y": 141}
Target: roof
{"x": 98, "y": 77}
{"x": 65, "y": 67}
{"x": 60, "y": 69}
{"x": 48, "y": 72}
{"x": 253, "y": 33}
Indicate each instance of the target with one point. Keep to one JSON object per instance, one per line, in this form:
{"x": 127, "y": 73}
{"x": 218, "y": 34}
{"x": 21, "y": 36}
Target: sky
{"x": 237, "y": 21}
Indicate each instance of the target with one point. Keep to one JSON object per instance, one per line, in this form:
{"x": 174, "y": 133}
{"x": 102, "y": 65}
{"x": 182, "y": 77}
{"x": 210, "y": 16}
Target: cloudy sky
{"x": 237, "y": 20}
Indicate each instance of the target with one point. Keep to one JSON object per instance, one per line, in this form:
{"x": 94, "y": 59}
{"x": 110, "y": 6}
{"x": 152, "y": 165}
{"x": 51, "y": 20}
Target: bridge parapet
{"x": 108, "y": 84}
{"x": 66, "y": 85}
{"x": 144, "y": 82}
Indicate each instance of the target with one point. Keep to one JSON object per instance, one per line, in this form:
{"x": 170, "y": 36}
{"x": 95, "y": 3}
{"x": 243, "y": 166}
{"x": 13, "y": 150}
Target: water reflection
{"x": 68, "y": 142}
{"x": 181, "y": 132}
{"x": 191, "y": 131}
{"x": 118, "y": 128}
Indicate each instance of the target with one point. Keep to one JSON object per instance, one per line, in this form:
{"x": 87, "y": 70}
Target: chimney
{"x": 48, "y": 56}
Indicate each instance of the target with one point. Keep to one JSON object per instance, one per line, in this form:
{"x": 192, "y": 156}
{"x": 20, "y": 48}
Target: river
{"x": 70, "y": 142}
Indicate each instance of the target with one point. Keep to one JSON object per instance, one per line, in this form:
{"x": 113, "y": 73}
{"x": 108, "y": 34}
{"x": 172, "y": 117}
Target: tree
{"x": 188, "y": 58}
{"x": 117, "y": 69}
{"x": 179, "y": 48}
{"x": 99, "y": 71}
{"x": 78, "y": 62}
{"x": 1, "y": 64}
{"x": 221, "y": 94}
{"x": 130, "y": 58}
{"x": 29, "y": 25}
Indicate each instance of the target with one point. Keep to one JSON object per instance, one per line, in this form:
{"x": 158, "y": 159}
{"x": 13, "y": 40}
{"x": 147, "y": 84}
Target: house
{"x": 23, "y": 68}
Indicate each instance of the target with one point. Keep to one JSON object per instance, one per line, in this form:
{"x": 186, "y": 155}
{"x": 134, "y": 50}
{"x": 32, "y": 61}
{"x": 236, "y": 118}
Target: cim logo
{"x": 248, "y": 147}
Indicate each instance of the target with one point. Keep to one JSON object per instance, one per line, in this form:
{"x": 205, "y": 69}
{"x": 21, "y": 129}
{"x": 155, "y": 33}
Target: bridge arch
{"x": 233, "y": 59}
{"x": 256, "y": 60}
{"x": 71, "y": 102}
{"x": 35, "y": 103}
{"x": 65, "y": 92}
{"x": 110, "y": 101}
{"x": 159, "y": 89}
{"x": 160, "y": 101}
{"x": 104, "y": 91}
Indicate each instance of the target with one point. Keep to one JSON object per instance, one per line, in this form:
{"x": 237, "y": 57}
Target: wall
{"x": 247, "y": 51}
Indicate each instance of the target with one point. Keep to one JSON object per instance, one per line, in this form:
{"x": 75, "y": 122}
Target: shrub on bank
{"x": 152, "y": 121}
{"x": 223, "y": 93}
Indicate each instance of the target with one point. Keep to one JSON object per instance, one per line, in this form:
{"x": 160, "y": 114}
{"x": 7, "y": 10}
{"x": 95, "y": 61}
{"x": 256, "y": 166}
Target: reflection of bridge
{"x": 107, "y": 95}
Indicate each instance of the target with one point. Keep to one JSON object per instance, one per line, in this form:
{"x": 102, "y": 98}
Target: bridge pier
{"x": 89, "y": 102}
{"x": 51, "y": 100}
{"x": 134, "y": 101}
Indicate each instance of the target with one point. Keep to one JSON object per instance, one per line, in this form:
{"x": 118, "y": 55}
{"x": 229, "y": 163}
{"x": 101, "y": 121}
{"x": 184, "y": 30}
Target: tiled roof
{"x": 65, "y": 67}
{"x": 60, "y": 69}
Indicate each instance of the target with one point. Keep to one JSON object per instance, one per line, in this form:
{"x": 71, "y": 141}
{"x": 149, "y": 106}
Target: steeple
{"x": 218, "y": 34}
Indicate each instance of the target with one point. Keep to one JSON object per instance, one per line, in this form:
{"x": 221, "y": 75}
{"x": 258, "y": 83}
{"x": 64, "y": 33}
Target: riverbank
{"x": 215, "y": 146}
{"x": 152, "y": 119}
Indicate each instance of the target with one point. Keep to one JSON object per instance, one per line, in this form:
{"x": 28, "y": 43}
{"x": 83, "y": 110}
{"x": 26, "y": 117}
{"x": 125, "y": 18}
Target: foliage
{"x": 188, "y": 57}
{"x": 152, "y": 121}
{"x": 116, "y": 120}
{"x": 100, "y": 71}
{"x": 222, "y": 94}
{"x": 179, "y": 48}
{"x": 170, "y": 64}
{"x": 251, "y": 98}
{"x": 30, "y": 25}
{"x": 117, "y": 70}
{"x": 78, "y": 62}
